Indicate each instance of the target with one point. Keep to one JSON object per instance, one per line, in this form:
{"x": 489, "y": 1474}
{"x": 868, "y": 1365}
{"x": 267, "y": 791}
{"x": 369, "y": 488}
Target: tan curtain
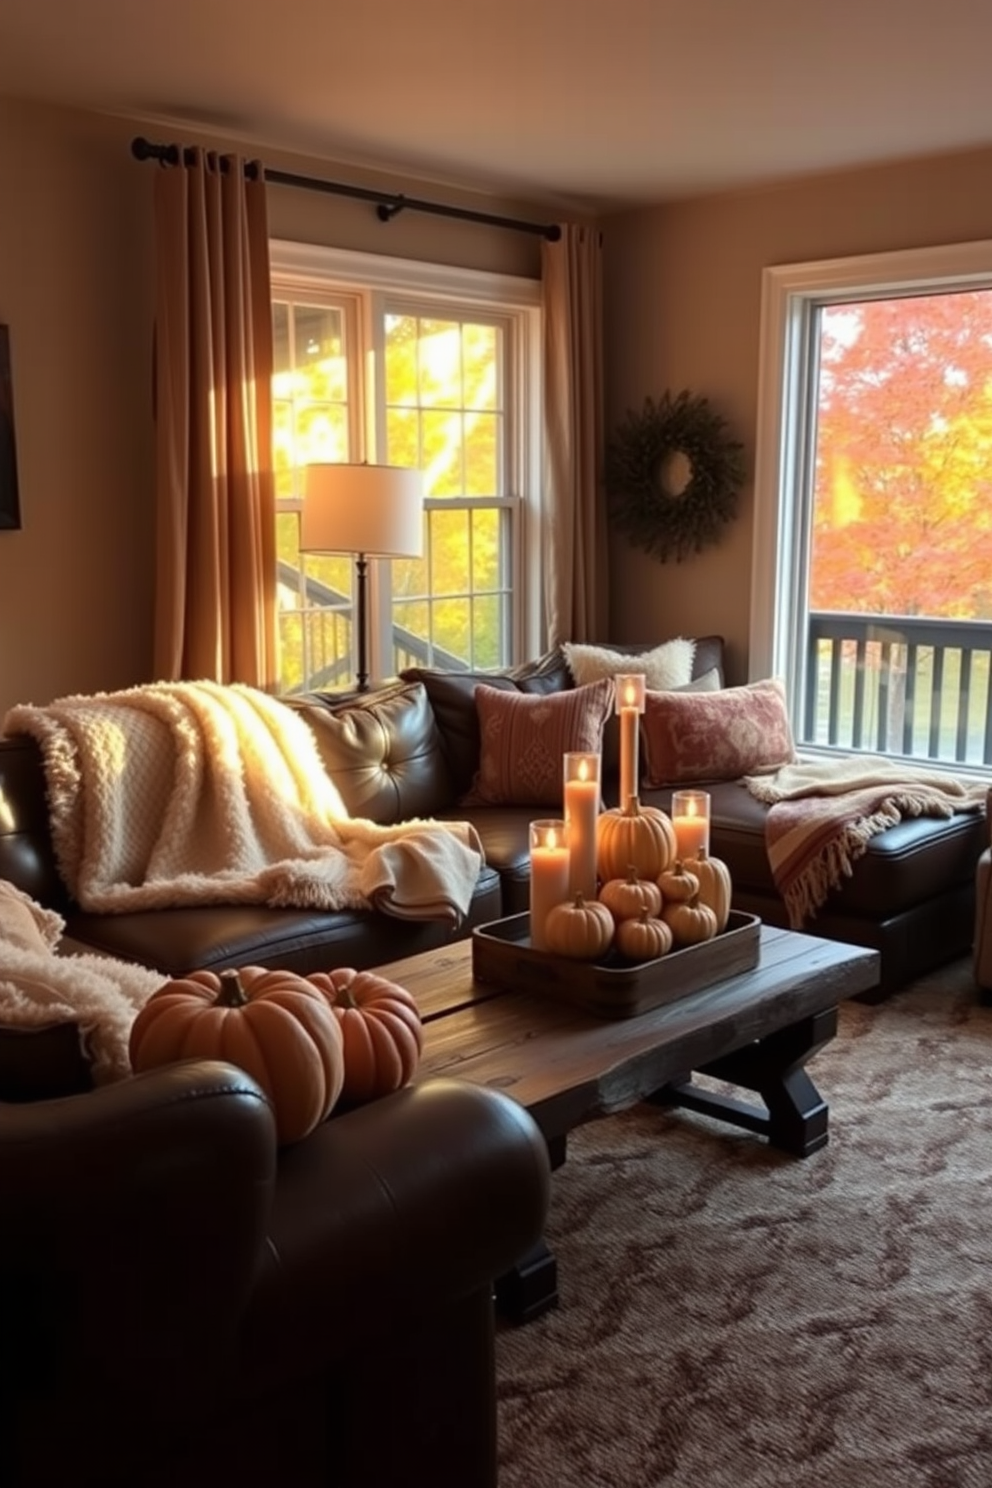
{"x": 574, "y": 529}
{"x": 216, "y": 561}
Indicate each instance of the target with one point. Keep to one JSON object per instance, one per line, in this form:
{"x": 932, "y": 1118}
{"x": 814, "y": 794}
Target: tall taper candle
{"x": 581, "y": 813}
{"x": 630, "y": 687}
{"x": 548, "y": 875}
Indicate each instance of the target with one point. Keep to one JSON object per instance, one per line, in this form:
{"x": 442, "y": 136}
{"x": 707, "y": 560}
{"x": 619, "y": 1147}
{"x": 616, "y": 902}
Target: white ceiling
{"x": 595, "y": 103}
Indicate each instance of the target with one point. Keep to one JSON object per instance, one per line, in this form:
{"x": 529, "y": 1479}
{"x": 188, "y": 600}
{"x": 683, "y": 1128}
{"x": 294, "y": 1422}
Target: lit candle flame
{"x": 552, "y": 838}
{"x": 583, "y": 769}
{"x": 630, "y": 694}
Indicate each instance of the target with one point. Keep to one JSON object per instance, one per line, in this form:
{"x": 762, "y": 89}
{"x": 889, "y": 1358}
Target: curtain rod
{"x": 388, "y": 204}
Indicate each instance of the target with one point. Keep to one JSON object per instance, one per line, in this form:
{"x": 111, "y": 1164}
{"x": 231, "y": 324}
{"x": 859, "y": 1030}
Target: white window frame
{"x": 791, "y": 296}
{"x": 305, "y": 268}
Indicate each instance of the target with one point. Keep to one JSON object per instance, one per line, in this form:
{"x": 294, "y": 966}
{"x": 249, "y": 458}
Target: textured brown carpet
{"x": 734, "y": 1318}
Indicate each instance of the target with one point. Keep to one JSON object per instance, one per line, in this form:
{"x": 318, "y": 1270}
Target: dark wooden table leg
{"x": 531, "y": 1286}
{"x": 795, "y": 1116}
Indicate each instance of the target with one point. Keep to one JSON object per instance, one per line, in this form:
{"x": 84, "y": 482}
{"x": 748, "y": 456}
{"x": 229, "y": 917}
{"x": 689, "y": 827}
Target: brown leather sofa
{"x": 180, "y": 1309}
{"x": 411, "y": 749}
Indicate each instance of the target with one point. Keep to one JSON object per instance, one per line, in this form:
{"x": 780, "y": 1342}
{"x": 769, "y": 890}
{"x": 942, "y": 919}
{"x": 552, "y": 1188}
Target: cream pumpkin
{"x": 581, "y": 928}
{"x": 715, "y": 888}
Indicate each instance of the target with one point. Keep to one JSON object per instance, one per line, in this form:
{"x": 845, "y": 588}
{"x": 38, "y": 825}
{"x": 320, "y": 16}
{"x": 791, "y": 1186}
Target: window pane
{"x": 480, "y": 355}
{"x": 442, "y": 453}
{"x": 486, "y": 631}
{"x": 401, "y": 360}
{"x": 439, "y": 361}
{"x": 451, "y": 627}
{"x": 403, "y": 438}
{"x": 482, "y": 454}
{"x": 450, "y": 552}
{"x": 487, "y": 563}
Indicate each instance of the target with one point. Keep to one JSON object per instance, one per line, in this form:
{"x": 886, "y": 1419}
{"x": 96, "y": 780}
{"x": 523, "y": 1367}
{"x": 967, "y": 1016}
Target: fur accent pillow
{"x": 691, "y": 736}
{"x": 668, "y": 665}
{"x": 525, "y": 736}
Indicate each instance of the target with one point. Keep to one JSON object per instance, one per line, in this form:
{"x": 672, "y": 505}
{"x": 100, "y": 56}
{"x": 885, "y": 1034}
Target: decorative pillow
{"x": 716, "y": 735}
{"x": 668, "y": 665}
{"x": 523, "y": 740}
{"x": 452, "y": 698}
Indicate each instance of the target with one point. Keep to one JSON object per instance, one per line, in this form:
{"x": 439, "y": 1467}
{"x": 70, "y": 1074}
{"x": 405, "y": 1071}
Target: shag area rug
{"x": 731, "y": 1317}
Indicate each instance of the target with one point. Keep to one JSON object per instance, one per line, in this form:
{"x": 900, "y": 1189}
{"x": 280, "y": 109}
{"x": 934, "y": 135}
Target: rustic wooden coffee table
{"x": 754, "y": 1030}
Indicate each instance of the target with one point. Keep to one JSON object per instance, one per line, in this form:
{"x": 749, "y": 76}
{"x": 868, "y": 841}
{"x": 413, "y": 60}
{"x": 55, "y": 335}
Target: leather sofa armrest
{"x": 134, "y": 1212}
{"x": 419, "y": 1198}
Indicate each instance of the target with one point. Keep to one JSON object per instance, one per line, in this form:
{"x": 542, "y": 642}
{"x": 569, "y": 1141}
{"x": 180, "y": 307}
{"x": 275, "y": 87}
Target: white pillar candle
{"x": 691, "y": 820}
{"x": 549, "y": 869}
{"x": 581, "y": 814}
{"x": 630, "y": 687}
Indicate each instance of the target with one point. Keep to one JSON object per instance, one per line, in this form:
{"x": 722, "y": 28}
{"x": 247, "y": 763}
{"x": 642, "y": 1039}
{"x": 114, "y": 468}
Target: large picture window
{"x": 872, "y": 581}
{"x": 418, "y": 366}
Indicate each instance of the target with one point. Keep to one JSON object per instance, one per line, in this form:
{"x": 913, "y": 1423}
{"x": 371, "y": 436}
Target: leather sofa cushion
{"x": 452, "y": 696}
{"x": 384, "y": 751}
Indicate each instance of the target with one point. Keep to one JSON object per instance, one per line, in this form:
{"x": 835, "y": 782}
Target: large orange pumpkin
{"x": 383, "y": 1034}
{"x": 272, "y": 1024}
{"x": 633, "y": 839}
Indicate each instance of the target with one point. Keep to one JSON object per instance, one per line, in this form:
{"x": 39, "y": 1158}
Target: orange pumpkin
{"x": 383, "y": 1034}
{"x": 581, "y": 928}
{"x": 626, "y": 897}
{"x": 272, "y": 1024}
{"x": 633, "y": 837}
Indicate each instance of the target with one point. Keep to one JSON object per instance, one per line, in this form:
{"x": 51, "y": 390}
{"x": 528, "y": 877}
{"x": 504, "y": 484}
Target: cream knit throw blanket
{"x": 186, "y": 793}
{"x": 823, "y": 813}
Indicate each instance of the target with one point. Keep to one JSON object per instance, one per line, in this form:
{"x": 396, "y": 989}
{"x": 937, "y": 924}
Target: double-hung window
{"x": 421, "y": 366}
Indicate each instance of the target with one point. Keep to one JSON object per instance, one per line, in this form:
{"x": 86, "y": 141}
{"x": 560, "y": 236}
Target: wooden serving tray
{"x": 614, "y": 987}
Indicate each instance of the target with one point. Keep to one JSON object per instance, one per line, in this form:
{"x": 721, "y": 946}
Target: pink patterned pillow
{"x": 524, "y": 736}
{"x": 716, "y": 735}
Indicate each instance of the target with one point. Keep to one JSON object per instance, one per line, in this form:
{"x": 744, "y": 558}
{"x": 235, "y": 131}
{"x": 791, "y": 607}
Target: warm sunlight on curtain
{"x": 574, "y": 547}
{"x": 216, "y": 562}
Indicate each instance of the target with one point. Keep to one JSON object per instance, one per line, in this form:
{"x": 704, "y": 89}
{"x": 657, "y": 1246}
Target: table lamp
{"x": 372, "y": 511}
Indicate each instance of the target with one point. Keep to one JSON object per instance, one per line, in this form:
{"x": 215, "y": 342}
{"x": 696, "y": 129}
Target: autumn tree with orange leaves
{"x": 903, "y": 475}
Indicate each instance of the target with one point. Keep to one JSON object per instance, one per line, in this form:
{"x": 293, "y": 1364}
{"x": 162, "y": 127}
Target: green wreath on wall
{"x": 672, "y": 475}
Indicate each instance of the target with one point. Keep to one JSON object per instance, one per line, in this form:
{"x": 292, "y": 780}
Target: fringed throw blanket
{"x": 195, "y": 793}
{"x": 823, "y": 814}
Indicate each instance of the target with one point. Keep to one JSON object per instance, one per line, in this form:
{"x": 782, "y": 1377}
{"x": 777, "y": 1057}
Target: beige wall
{"x": 76, "y": 290}
{"x": 683, "y": 300}
{"x": 76, "y": 274}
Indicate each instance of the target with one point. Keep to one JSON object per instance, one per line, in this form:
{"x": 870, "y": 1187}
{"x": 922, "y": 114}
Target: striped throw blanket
{"x": 824, "y": 812}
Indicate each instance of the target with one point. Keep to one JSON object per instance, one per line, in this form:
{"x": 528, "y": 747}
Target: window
{"x": 872, "y": 575}
{"x": 414, "y": 365}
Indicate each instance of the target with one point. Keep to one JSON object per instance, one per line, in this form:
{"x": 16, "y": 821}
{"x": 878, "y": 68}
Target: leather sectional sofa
{"x": 411, "y": 749}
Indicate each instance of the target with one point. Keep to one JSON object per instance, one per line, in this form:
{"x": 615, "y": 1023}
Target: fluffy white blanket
{"x": 195, "y": 793}
{"x": 99, "y": 995}
{"x": 824, "y": 812}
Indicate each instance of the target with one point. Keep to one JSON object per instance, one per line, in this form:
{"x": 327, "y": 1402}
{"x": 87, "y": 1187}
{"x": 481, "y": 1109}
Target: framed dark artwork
{"x": 10, "y": 505}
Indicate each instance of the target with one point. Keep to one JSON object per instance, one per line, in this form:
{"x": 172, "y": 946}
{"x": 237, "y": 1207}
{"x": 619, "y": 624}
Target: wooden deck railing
{"x": 895, "y": 684}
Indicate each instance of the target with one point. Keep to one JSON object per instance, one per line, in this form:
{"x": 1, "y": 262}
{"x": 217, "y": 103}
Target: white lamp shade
{"x": 376, "y": 510}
